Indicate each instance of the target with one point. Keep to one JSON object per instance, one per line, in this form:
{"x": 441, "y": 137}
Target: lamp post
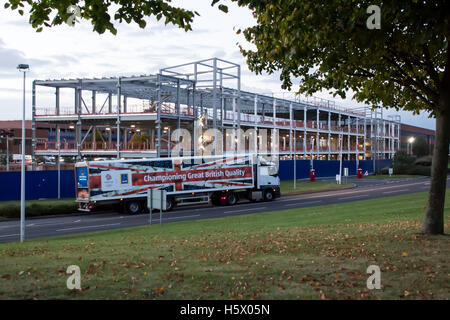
{"x": 23, "y": 68}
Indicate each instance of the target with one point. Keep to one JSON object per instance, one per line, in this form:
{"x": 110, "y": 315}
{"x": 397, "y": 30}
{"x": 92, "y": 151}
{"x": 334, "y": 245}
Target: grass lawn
{"x": 304, "y": 186}
{"x": 394, "y": 176}
{"x": 309, "y": 253}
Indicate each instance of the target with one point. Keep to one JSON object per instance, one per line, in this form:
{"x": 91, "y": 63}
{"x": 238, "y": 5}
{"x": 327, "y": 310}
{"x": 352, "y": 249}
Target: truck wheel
{"x": 268, "y": 195}
{"x": 133, "y": 207}
{"x": 232, "y": 199}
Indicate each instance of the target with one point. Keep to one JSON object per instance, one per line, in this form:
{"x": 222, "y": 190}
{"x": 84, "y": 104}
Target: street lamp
{"x": 410, "y": 142}
{"x": 23, "y": 68}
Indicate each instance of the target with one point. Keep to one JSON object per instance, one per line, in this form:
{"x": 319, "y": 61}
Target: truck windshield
{"x": 269, "y": 171}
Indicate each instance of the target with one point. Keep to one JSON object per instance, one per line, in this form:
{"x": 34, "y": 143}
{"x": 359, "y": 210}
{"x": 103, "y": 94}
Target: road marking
{"x": 361, "y": 196}
{"x": 193, "y": 216}
{"x": 395, "y": 191}
{"x": 243, "y": 210}
{"x": 9, "y": 235}
{"x": 302, "y": 203}
{"x": 49, "y": 224}
{"x": 238, "y": 205}
{"x": 87, "y": 227}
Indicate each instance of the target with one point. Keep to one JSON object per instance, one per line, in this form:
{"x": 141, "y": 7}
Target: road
{"x": 81, "y": 223}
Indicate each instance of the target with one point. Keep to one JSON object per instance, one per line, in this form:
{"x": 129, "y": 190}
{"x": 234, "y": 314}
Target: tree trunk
{"x": 434, "y": 215}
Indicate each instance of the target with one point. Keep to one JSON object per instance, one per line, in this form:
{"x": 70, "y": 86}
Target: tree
{"x": 328, "y": 45}
{"x": 3, "y": 158}
{"x": 98, "y": 12}
{"x": 420, "y": 147}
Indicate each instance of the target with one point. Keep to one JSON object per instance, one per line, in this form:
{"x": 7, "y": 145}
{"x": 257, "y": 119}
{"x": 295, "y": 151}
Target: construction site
{"x": 145, "y": 115}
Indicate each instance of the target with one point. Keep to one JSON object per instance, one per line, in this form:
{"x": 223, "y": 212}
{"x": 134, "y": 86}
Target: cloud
{"x": 10, "y": 58}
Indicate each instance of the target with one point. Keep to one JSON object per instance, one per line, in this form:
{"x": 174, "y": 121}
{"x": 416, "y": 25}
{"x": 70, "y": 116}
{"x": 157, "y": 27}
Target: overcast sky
{"x": 72, "y": 52}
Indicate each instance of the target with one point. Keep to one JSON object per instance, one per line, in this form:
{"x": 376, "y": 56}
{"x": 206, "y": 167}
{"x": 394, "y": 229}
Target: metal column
{"x": 291, "y": 122}
{"x": 305, "y": 135}
{"x": 329, "y": 135}
{"x": 215, "y": 107}
{"x": 178, "y": 118}
{"x": 110, "y": 103}
{"x": 365, "y": 136}
{"x": 119, "y": 93}
{"x": 274, "y": 135}
{"x": 348, "y": 137}
{"x": 158, "y": 117}
{"x": 78, "y": 93}
{"x": 57, "y": 107}
{"x": 318, "y": 134}
{"x": 255, "y": 132}
{"x": 33, "y": 127}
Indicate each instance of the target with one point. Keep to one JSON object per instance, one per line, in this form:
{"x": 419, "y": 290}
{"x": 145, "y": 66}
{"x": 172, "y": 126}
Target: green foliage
{"x": 3, "y": 158}
{"x": 328, "y": 46}
{"x": 37, "y": 208}
{"x": 402, "y": 157}
{"x": 404, "y": 164}
{"x": 102, "y": 14}
{"x": 420, "y": 147}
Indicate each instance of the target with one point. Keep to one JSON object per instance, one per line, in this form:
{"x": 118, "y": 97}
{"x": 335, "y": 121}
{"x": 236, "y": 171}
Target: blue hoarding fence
{"x": 326, "y": 169}
{"x": 44, "y": 184}
{"x": 38, "y": 185}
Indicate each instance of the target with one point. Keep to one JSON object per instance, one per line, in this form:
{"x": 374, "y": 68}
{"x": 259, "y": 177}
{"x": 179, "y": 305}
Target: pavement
{"x": 89, "y": 222}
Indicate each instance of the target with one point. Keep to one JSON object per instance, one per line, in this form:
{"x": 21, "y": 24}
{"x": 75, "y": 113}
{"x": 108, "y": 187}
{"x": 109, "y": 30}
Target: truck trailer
{"x": 220, "y": 180}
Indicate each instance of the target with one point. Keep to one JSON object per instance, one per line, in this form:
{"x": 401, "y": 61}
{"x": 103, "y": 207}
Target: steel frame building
{"x": 209, "y": 92}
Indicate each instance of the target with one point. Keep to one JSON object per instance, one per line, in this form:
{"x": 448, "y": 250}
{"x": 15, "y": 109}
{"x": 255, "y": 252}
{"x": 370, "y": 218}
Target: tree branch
{"x": 430, "y": 68}
{"x": 433, "y": 96}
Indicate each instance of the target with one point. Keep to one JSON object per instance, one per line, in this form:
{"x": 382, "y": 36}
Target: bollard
{"x": 312, "y": 175}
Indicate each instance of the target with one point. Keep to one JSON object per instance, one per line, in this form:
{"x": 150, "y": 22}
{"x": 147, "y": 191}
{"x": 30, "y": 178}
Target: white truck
{"x": 221, "y": 180}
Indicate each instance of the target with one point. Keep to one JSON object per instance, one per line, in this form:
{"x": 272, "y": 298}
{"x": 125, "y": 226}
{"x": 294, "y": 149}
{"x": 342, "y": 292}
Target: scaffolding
{"x": 205, "y": 94}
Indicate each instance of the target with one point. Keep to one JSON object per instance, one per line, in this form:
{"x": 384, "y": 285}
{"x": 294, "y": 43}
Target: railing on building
{"x": 131, "y": 109}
